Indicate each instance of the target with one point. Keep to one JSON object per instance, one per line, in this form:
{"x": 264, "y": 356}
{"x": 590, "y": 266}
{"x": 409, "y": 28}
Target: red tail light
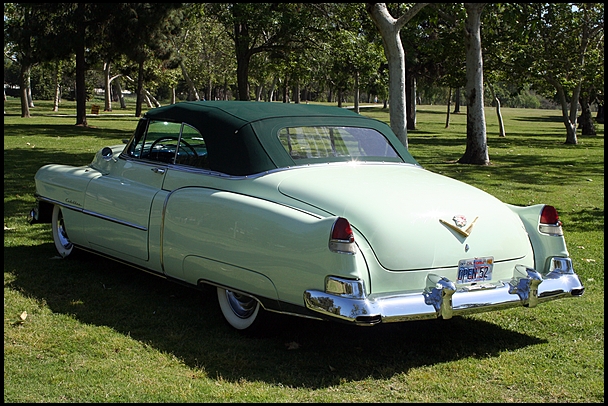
{"x": 341, "y": 231}
{"x": 549, "y": 215}
{"x": 342, "y": 239}
{"x": 549, "y": 222}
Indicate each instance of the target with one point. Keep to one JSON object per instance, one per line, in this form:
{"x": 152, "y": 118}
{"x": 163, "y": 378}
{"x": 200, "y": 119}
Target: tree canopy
{"x": 313, "y": 51}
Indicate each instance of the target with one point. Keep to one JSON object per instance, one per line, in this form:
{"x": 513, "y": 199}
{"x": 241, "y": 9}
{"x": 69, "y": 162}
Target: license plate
{"x": 475, "y": 270}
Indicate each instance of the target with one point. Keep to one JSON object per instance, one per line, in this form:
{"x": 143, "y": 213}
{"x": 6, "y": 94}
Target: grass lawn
{"x": 87, "y": 329}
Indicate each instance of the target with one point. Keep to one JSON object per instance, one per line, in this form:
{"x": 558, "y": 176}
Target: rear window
{"x": 320, "y": 144}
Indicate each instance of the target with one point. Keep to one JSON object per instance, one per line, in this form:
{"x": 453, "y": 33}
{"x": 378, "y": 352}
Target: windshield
{"x": 319, "y": 144}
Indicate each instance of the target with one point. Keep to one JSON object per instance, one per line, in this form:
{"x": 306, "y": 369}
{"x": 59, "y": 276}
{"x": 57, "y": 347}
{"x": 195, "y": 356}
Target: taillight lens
{"x": 550, "y": 222}
{"x": 342, "y": 231}
{"x": 342, "y": 239}
{"x": 549, "y": 215}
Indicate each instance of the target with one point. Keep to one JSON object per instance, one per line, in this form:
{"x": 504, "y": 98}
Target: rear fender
{"x": 250, "y": 237}
{"x": 545, "y": 246}
{"x": 225, "y": 275}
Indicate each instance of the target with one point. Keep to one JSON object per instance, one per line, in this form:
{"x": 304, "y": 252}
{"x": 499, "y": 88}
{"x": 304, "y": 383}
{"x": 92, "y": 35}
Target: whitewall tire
{"x": 240, "y": 311}
{"x": 60, "y": 236}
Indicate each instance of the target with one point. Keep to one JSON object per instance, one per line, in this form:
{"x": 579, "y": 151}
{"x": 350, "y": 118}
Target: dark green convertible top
{"x": 236, "y": 113}
{"x": 241, "y": 136}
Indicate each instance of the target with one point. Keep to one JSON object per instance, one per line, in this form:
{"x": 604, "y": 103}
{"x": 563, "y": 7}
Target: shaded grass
{"x": 99, "y": 331}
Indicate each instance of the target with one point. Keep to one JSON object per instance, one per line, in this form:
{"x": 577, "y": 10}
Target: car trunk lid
{"x": 411, "y": 217}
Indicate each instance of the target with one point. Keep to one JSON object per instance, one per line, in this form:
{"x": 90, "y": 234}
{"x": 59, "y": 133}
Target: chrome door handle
{"x": 159, "y": 170}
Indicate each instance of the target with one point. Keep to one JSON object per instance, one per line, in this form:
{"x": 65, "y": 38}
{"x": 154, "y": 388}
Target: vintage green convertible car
{"x": 305, "y": 210}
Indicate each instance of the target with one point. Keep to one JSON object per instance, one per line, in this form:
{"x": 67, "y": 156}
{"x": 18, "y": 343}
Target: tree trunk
{"x": 57, "y": 80}
{"x": 152, "y": 102}
{"x": 356, "y": 92}
{"x": 258, "y": 92}
{"x": 28, "y": 88}
{"x": 242, "y": 41}
{"x": 410, "y": 90}
{"x": 286, "y": 90}
{"x": 25, "y": 106}
{"x": 447, "y": 116}
{"x": 501, "y": 125}
{"x": 242, "y": 76}
{"x": 225, "y": 88}
{"x": 457, "y": 101}
{"x": 296, "y": 92}
{"x": 191, "y": 87}
{"x": 108, "y": 93}
{"x": 585, "y": 121}
{"x": 81, "y": 66}
{"x": 477, "y": 148}
{"x": 566, "y": 117}
{"x": 140, "y": 86}
{"x": 574, "y": 111}
{"x": 118, "y": 89}
{"x": 272, "y": 88}
{"x": 599, "y": 117}
{"x": 393, "y": 49}
{"x": 389, "y": 28}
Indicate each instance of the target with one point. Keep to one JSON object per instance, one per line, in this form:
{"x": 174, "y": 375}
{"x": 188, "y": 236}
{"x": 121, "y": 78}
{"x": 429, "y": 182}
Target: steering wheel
{"x": 174, "y": 139}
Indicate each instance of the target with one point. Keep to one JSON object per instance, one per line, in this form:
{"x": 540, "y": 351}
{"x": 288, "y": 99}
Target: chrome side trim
{"x": 115, "y": 220}
{"x": 441, "y": 297}
{"x": 58, "y": 203}
{"x": 92, "y": 213}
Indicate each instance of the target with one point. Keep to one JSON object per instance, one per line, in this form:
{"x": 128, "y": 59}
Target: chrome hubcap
{"x": 243, "y": 306}
{"x": 62, "y": 235}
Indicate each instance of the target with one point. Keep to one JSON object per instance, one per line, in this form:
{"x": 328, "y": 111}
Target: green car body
{"x": 306, "y": 210}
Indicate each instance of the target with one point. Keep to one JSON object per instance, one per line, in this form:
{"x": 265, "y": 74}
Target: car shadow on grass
{"x": 292, "y": 351}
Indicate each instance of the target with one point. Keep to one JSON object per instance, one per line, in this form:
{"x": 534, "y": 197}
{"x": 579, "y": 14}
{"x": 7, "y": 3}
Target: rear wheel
{"x": 240, "y": 311}
{"x": 60, "y": 236}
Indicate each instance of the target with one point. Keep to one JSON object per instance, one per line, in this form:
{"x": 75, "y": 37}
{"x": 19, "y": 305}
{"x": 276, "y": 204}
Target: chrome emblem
{"x": 461, "y": 222}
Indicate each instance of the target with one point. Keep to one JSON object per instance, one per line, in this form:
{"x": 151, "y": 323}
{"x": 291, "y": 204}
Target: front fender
{"x": 64, "y": 184}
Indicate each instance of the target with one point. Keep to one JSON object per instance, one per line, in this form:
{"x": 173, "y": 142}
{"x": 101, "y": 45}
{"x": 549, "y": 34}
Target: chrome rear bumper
{"x": 442, "y": 298}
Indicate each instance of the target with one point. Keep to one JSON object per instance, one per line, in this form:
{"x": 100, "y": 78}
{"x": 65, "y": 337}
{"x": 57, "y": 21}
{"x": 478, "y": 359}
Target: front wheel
{"x": 60, "y": 236}
{"x": 240, "y": 311}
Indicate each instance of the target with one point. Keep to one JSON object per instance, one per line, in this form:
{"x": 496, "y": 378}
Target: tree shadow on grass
{"x": 293, "y": 351}
{"x": 587, "y": 220}
{"x": 541, "y": 119}
{"x": 521, "y": 166}
{"x": 67, "y": 130}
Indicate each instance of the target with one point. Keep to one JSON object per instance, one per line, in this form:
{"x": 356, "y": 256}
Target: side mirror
{"x": 107, "y": 154}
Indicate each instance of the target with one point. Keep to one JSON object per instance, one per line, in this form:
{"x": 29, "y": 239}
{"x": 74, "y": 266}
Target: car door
{"x": 119, "y": 202}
